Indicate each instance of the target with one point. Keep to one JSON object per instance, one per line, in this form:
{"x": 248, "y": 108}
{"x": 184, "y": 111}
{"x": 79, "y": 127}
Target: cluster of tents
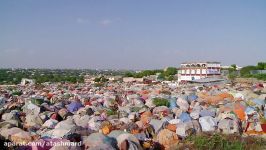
{"x": 125, "y": 115}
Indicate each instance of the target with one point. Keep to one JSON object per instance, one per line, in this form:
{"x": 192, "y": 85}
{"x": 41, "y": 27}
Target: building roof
{"x": 207, "y": 80}
{"x": 207, "y": 62}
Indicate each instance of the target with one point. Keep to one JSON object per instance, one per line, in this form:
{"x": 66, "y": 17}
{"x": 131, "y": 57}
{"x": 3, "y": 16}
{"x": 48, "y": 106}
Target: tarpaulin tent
{"x": 239, "y": 110}
{"x": 228, "y": 126}
{"x": 167, "y": 138}
{"x": 183, "y": 104}
{"x": 21, "y": 137}
{"x": 207, "y": 123}
{"x": 157, "y": 124}
{"x": 206, "y": 112}
{"x": 96, "y": 139}
{"x": 195, "y": 113}
{"x": 173, "y": 103}
{"x": 133, "y": 141}
{"x": 8, "y": 132}
{"x": 161, "y": 109}
{"x": 116, "y": 133}
{"x": 183, "y": 127}
{"x": 74, "y": 106}
{"x": 51, "y": 123}
{"x": 191, "y": 97}
{"x": 184, "y": 117}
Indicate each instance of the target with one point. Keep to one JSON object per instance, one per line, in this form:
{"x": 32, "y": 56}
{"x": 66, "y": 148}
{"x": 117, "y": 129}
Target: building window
{"x": 198, "y": 71}
{"x": 203, "y": 71}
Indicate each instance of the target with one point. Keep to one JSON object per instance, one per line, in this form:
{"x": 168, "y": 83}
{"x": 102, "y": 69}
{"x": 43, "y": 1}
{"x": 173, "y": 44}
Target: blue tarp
{"x": 249, "y": 110}
{"x": 206, "y": 112}
{"x": 74, "y": 106}
{"x": 259, "y": 102}
{"x": 191, "y": 98}
{"x": 185, "y": 117}
{"x": 173, "y": 103}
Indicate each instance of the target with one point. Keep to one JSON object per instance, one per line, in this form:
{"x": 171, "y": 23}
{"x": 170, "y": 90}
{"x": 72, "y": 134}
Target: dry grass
{"x": 222, "y": 142}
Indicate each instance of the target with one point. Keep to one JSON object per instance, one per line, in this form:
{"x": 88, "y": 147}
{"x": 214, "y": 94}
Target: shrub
{"x": 17, "y": 93}
{"x": 111, "y": 112}
{"x": 161, "y": 102}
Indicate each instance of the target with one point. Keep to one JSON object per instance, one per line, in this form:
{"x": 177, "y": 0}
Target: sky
{"x": 130, "y": 34}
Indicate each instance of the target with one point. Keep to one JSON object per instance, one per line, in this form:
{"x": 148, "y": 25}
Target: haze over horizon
{"x": 120, "y": 34}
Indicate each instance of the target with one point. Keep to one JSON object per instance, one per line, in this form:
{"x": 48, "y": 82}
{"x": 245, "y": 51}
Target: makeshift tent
{"x": 133, "y": 141}
{"x": 167, "y": 138}
{"x": 74, "y": 106}
{"x": 207, "y": 123}
{"x": 95, "y": 139}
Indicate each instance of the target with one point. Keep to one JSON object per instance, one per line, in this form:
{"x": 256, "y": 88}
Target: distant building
{"x": 152, "y": 77}
{"x": 228, "y": 67}
{"x": 115, "y": 78}
{"x": 25, "y": 81}
{"x": 132, "y": 79}
{"x": 198, "y": 70}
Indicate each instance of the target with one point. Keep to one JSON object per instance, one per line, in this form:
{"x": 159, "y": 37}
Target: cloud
{"x": 105, "y": 22}
{"x": 82, "y": 21}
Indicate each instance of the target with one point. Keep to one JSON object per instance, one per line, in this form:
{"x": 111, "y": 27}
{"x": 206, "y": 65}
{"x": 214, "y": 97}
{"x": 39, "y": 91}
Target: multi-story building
{"x": 197, "y": 70}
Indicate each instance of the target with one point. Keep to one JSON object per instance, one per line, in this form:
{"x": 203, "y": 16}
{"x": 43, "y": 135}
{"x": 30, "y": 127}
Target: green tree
{"x": 232, "y": 76}
{"x": 101, "y": 79}
{"x": 161, "y": 76}
{"x": 245, "y": 71}
{"x": 170, "y": 71}
{"x": 261, "y": 65}
{"x": 97, "y": 80}
{"x": 129, "y": 74}
{"x": 233, "y": 66}
{"x": 171, "y": 78}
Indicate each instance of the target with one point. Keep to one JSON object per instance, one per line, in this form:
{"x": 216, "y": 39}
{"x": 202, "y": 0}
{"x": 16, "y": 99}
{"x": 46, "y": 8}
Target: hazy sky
{"x": 130, "y": 34}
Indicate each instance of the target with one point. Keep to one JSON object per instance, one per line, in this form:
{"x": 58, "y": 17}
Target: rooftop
{"x": 207, "y": 62}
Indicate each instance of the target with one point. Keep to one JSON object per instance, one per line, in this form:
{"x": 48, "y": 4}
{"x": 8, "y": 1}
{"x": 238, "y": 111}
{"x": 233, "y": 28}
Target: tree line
{"x": 167, "y": 74}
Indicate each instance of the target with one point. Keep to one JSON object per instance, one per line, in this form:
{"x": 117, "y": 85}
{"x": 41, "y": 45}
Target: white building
{"x": 227, "y": 67}
{"x": 25, "y": 81}
{"x": 198, "y": 70}
{"x": 114, "y": 78}
{"x": 132, "y": 79}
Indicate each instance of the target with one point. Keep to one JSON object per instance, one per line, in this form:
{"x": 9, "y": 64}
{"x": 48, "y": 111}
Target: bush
{"x": 260, "y": 76}
{"x": 111, "y": 112}
{"x": 232, "y": 76}
{"x": 171, "y": 78}
{"x": 101, "y": 79}
{"x": 17, "y": 93}
{"x": 161, "y": 102}
{"x": 246, "y": 70}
